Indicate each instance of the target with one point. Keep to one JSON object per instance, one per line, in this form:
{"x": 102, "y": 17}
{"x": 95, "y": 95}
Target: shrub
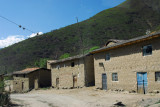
{"x": 66, "y": 55}
{"x": 4, "y": 99}
{"x": 93, "y": 48}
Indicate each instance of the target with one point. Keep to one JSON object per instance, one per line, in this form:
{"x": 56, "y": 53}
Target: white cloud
{"x": 35, "y": 34}
{"x": 10, "y": 40}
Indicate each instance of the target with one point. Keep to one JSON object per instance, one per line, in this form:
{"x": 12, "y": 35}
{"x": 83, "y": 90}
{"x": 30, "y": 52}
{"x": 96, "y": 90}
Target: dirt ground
{"x": 84, "y": 97}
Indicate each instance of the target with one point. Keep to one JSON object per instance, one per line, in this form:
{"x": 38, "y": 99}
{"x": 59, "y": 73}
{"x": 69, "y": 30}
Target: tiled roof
{"x": 26, "y": 71}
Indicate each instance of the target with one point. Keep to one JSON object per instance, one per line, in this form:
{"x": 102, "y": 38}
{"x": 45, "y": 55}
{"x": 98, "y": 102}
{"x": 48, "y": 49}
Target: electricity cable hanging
{"x": 20, "y": 26}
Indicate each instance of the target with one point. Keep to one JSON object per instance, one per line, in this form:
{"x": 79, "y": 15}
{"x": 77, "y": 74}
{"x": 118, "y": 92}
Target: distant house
{"x": 8, "y": 82}
{"x": 77, "y": 71}
{"x": 1, "y": 77}
{"x": 31, "y": 78}
{"x": 132, "y": 65}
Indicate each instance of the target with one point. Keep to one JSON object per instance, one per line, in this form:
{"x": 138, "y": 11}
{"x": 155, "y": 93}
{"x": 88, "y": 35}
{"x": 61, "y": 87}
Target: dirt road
{"x": 86, "y": 97}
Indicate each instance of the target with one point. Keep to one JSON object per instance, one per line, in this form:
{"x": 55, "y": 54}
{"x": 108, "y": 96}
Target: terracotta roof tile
{"x": 26, "y": 71}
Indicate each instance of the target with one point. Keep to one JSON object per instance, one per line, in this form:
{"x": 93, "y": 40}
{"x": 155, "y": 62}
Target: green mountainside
{"x": 127, "y": 20}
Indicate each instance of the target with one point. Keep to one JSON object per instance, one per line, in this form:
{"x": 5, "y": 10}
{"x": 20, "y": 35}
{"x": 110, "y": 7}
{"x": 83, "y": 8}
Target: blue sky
{"x": 44, "y": 16}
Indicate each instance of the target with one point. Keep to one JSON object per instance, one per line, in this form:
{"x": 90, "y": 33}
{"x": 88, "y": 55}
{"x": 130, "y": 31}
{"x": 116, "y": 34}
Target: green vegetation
{"x": 157, "y": 102}
{"x": 4, "y": 99}
{"x": 1, "y": 86}
{"x": 66, "y": 55}
{"x": 130, "y": 19}
{"x": 91, "y": 49}
{"x": 42, "y": 63}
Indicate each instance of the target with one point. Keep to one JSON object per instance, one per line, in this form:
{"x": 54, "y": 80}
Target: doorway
{"x": 74, "y": 81}
{"x": 36, "y": 85}
{"x": 57, "y": 82}
{"x": 22, "y": 86}
{"x": 142, "y": 83}
{"x": 104, "y": 81}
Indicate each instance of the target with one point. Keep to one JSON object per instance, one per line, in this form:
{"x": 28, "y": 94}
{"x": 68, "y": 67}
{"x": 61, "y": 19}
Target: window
{"x": 24, "y": 75}
{"x": 72, "y": 64}
{"x": 101, "y": 64}
{"x": 114, "y": 77}
{"x": 107, "y": 57}
{"x": 157, "y": 76}
{"x": 16, "y": 75}
{"x": 147, "y": 50}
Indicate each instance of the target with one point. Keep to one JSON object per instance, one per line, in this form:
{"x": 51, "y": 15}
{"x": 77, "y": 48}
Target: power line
{"x": 20, "y": 26}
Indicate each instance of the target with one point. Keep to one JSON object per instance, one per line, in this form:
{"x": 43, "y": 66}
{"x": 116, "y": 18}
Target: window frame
{"x": 115, "y": 77}
{"x": 144, "y": 50}
{"x": 157, "y": 80}
{"x": 107, "y": 57}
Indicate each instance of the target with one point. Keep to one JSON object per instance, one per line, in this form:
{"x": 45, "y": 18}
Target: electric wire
{"x": 20, "y": 26}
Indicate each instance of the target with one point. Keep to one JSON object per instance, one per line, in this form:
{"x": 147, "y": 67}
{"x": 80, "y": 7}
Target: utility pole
{"x": 80, "y": 36}
{"x": 85, "y": 72}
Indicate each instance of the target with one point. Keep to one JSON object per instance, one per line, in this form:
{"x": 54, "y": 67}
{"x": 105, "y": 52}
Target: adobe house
{"x": 132, "y": 65}
{"x": 73, "y": 72}
{"x": 31, "y": 78}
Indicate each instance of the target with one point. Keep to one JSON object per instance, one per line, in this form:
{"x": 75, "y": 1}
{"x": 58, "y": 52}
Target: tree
{"x": 42, "y": 63}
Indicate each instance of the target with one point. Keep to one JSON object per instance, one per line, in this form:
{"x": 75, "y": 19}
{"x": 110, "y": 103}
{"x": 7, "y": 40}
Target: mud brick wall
{"x": 127, "y": 61}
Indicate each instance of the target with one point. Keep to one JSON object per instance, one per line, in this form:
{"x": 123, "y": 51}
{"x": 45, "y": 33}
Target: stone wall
{"x": 127, "y": 61}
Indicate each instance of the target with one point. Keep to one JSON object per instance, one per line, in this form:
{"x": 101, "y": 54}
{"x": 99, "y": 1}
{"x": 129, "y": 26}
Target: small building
{"x": 77, "y": 71}
{"x": 31, "y": 78}
{"x": 1, "y": 77}
{"x": 8, "y": 82}
{"x": 132, "y": 65}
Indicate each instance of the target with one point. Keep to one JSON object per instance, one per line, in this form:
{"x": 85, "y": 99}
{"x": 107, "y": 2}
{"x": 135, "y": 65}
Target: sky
{"x": 41, "y": 16}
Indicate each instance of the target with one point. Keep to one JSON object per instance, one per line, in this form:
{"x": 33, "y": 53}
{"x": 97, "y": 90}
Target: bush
{"x": 4, "y": 99}
{"x": 66, "y": 55}
{"x": 93, "y": 48}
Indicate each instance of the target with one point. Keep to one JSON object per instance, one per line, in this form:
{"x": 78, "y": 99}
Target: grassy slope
{"x": 130, "y": 19}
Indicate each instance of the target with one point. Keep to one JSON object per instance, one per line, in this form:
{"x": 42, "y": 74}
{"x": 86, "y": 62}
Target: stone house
{"x": 77, "y": 71}
{"x": 132, "y": 65}
{"x": 31, "y": 78}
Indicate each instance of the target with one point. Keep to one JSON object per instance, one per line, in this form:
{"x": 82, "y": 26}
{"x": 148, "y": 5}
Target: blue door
{"x": 104, "y": 81}
{"x": 142, "y": 83}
